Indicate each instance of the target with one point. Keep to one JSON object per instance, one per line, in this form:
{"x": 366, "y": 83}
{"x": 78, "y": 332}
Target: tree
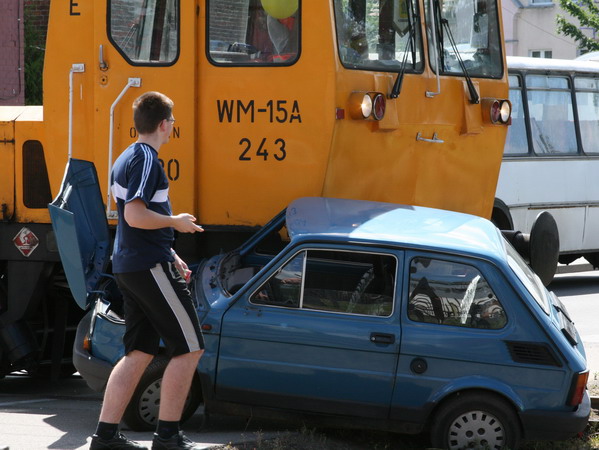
{"x": 587, "y": 13}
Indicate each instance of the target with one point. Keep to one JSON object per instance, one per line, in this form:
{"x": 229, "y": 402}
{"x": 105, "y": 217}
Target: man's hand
{"x": 182, "y": 268}
{"x": 185, "y": 223}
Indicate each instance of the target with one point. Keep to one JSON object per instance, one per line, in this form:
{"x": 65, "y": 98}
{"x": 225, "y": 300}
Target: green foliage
{"x": 587, "y": 13}
{"x": 34, "y": 62}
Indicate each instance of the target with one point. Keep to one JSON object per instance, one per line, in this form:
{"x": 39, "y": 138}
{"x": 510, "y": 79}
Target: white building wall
{"x": 528, "y": 27}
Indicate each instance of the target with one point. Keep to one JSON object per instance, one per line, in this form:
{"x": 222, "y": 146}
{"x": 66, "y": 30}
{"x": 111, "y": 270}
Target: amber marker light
{"x": 87, "y": 343}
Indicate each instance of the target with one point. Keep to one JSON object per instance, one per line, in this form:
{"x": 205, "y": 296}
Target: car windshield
{"x": 530, "y": 279}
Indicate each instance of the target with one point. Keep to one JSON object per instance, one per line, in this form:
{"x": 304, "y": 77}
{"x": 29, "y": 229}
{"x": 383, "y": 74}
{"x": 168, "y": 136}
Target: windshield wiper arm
{"x": 411, "y": 46}
{"x": 474, "y": 97}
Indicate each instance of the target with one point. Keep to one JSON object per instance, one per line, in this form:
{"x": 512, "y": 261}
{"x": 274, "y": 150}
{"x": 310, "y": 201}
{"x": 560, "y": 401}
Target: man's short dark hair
{"x": 149, "y": 110}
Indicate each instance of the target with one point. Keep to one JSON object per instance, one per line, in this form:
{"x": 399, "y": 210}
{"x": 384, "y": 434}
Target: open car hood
{"x": 81, "y": 229}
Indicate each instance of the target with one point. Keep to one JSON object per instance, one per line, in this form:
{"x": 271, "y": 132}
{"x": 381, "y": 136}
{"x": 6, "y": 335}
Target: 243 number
{"x": 249, "y": 150}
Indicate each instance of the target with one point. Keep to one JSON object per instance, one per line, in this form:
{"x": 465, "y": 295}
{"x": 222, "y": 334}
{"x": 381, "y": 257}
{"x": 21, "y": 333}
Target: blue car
{"x": 356, "y": 313}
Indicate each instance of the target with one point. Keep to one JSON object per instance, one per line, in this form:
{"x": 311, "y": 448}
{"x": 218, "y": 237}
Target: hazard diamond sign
{"x": 26, "y": 241}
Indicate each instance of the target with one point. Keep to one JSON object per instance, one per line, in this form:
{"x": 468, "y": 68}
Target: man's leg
{"x": 176, "y": 382}
{"x": 122, "y": 383}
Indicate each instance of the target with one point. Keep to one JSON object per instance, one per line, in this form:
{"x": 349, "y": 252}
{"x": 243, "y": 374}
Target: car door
{"x": 81, "y": 229}
{"x": 318, "y": 333}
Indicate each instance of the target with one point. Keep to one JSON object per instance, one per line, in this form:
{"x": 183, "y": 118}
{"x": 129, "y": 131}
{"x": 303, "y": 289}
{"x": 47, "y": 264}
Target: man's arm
{"x": 138, "y": 215}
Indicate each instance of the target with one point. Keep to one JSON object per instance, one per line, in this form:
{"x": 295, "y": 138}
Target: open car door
{"x": 81, "y": 229}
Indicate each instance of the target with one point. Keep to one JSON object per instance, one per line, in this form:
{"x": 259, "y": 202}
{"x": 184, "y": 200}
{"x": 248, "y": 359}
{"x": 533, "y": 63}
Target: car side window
{"x": 451, "y": 293}
{"x": 284, "y": 287}
{"x": 334, "y": 281}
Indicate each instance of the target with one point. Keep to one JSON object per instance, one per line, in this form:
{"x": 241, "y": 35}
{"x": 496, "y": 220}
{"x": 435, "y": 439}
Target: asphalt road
{"x": 579, "y": 291}
{"x": 37, "y": 414}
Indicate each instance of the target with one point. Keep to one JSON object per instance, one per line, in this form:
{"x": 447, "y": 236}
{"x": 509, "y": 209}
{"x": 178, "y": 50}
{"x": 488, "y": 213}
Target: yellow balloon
{"x": 279, "y": 9}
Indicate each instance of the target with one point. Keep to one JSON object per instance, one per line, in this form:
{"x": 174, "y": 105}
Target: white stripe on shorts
{"x": 173, "y": 301}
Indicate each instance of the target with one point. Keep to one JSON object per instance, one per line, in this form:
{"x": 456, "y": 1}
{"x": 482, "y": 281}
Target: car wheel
{"x": 475, "y": 420}
{"x": 142, "y": 412}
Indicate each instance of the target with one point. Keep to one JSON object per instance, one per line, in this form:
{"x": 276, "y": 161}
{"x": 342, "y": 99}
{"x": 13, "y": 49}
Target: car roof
{"x": 345, "y": 220}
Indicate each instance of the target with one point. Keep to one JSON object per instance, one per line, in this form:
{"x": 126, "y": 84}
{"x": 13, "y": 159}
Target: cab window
{"x": 145, "y": 32}
{"x": 379, "y": 35}
{"x": 451, "y": 293}
{"x": 253, "y": 32}
{"x": 466, "y": 31}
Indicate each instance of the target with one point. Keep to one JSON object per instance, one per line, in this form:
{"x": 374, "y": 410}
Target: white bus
{"x": 551, "y": 155}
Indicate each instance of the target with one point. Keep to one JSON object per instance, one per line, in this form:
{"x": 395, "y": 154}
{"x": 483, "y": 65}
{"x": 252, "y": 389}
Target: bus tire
{"x": 142, "y": 412}
{"x": 501, "y": 216}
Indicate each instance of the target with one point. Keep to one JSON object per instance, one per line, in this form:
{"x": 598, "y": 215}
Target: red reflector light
{"x": 206, "y": 327}
{"x": 495, "y": 111}
{"x": 579, "y": 385}
{"x": 379, "y": 104}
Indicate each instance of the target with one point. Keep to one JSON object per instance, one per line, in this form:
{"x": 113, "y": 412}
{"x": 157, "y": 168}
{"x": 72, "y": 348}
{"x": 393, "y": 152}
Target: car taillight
{"x": 579, "y": 384}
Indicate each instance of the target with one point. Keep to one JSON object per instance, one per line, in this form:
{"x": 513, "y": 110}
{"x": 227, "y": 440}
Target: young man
{"x": 151, "y": 277}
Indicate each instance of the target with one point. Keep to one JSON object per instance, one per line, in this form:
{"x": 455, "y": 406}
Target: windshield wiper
{"x": 474, "y": 97}
{"x": 411, "y": 46}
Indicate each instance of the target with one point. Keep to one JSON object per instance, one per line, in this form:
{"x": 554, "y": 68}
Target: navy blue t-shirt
{"x": 137, "y": 173}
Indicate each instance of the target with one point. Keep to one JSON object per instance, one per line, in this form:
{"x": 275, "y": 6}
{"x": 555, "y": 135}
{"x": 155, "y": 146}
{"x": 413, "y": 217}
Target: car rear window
{"x": 452, "y": 293}
{"x": 530, "y": 279}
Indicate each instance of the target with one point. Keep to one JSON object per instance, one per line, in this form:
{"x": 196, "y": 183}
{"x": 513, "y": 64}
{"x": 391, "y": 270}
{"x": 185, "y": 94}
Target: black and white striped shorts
{"x": 158, "y": 305}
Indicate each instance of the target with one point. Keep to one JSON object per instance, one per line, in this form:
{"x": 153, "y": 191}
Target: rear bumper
{"x": 94, "y": 371}
{"x": 543, "y": 425}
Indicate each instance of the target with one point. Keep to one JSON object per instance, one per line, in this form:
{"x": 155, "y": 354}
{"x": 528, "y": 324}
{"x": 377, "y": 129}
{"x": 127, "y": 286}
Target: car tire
{"x": 475, "y": 420}
{"x": 142, "y": 412}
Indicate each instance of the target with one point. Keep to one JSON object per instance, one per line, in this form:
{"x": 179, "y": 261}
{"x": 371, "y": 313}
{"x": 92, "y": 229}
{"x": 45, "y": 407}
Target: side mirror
{"x": 540, "y": 248}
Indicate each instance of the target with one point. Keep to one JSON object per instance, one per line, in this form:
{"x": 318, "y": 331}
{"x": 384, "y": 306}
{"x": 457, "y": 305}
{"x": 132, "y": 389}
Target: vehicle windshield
{"x": 530, "y": 279}
{"x": 379, "y": 34}
{"x": 473, "y": 27}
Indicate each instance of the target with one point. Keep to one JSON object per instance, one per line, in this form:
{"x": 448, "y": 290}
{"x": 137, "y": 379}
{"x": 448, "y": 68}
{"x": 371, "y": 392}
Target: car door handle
{"x": 382, "y": 338}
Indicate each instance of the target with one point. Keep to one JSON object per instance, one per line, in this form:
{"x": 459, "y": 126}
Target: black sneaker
{"x": 118, "y": 442}
{"x": 177, "y": 441}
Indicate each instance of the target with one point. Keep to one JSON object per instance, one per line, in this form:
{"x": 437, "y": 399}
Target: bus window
{"x": 378, "y": 34}
{"x": 468, "y": 29}
{"x": 587, "y": 101}
{"x": 516, "y": 142}
{"x": 551, "y": 115}
{"x": 145, "y": 31}
{"x": 253, "y": 32}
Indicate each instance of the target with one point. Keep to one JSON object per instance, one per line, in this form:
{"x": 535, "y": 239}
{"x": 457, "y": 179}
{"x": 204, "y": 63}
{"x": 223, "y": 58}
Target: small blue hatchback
{"x": 359, "y": 313}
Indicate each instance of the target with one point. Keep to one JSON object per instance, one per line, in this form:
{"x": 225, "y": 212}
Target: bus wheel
{"x": 475, "y": 420}
{"x": 142, "y": 412}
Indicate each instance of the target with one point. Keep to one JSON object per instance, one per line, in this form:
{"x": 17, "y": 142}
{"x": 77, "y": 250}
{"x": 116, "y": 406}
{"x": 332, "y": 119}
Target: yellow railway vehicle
{"x": 392, "y": 100}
